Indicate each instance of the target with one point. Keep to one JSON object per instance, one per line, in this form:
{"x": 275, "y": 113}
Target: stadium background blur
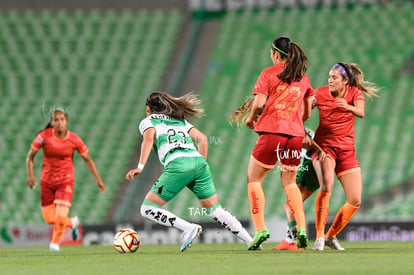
{"x": 100, "y": 60}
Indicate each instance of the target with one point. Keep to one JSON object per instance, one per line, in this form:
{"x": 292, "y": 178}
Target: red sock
{"x": 341, "y": 220}
{"x": 295, "y": 202}
{"x": 257, "y": 204}
{"x": 321, "y": 212}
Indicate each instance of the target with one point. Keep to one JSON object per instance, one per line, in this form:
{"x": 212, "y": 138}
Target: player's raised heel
{"x": 75, "y": 230}
{"x": 259, "y": 238}
{"x": 302, "y": 241}
{"x": 190, "y": 235}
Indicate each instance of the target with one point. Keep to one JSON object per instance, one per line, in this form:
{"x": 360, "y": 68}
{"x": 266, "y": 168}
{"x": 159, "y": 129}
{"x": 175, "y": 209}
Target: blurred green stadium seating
{"x": 378, "y": 38}
{"x": 100, "y": 66}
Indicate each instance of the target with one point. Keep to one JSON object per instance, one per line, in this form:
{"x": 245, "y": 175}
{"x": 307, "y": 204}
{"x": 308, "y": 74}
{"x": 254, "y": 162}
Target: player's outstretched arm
{"x": 91, "y": 166}
{"x": 146, "y": 146}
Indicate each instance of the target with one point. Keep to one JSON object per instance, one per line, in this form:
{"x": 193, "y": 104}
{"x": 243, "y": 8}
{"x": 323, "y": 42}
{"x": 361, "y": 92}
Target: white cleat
{"x": 54, "y": 247}
{"x": 319, "y": 244}
{"x": 189, "y": 236}
{"x": 334, "y": 244}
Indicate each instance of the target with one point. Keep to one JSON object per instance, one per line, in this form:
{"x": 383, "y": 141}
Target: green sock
{"x": 291, "y": 224}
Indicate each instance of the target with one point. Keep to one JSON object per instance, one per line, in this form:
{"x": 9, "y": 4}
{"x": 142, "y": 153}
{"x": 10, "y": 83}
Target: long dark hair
{"x": 296, "y": 62}
{"x": 184, "y": 107}
{"x": 296, "y": 65}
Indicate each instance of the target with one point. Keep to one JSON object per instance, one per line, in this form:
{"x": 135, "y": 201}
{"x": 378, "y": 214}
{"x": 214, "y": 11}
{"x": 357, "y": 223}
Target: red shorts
{"x": 56, "y": 193}
{"x": 273, "y": 147}
{"x": 346, "y": 161}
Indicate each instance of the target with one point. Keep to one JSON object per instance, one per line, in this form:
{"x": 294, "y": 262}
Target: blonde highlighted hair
{"x": 240, "y": 115}
{"x": 357, "y": 79}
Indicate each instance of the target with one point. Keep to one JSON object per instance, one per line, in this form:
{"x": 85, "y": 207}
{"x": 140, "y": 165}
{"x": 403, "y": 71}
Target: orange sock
{"x": 295, "y": 202}
{"x": 49, "y": 213}
{"x": 257, "y": 204}
{"x": 341, "y": 220}
{"x": 321, "y": 212}
{"x": 61, "y": 223}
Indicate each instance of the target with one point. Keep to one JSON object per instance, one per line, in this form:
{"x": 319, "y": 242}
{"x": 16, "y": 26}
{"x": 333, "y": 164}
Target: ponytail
{"x": 240, "y": 115}
{"x": 296, "y": 65}
{"x": 357, "y": 79}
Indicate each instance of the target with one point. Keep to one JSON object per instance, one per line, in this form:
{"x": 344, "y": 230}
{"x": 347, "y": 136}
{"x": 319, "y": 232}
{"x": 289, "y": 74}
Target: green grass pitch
{"x": 359, "y": 258}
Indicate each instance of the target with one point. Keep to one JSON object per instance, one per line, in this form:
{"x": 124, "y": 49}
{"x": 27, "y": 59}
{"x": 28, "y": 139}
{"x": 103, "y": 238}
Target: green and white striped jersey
{"x": 172, "y": 138}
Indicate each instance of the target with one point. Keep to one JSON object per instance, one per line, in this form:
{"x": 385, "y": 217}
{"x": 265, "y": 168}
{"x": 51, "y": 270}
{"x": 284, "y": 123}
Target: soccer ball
{"x": 126, "y": 241}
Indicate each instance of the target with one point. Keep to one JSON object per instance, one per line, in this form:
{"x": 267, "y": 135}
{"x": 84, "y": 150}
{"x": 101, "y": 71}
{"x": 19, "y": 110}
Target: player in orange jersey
{"x": 283, "y": 98}
{"x": 338, "y": 104}
{"x": 57, "y": 177}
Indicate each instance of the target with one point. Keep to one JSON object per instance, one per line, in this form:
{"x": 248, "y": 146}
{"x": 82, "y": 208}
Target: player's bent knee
{"x": 60, "y": 221}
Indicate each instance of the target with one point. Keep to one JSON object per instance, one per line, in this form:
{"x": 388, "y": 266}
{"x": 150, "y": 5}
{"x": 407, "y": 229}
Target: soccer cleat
{"x": 334, "y": 244}
{"x": 75, "y": 231}
{"x": 319, "y": 244}
{"x": 259, "y": 238}
{"x": 302, "y": 238}
{"x": 260, "y": 248}
{"x": 54, "y": 247}
{"x": 190, "y": 235}
{"x": 285, "y": 245}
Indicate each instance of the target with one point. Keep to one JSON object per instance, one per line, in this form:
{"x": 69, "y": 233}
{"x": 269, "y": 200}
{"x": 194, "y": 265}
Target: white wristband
{"x": 140, "y": 166}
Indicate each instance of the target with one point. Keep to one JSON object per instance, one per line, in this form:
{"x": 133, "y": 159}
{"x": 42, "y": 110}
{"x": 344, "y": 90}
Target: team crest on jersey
{"x": 39, "y": 140}
{"x": 314, "y": 101}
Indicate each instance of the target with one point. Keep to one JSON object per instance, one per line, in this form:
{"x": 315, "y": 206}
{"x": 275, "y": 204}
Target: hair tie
{"x": 276, "y": 48}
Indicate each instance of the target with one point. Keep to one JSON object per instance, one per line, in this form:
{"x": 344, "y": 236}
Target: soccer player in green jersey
{"x": 167, "y": 130}
{"x": 307, "y": 182}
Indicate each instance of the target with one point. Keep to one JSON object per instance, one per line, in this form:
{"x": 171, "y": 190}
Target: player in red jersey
{"x": 338, "y": 104}
{"x": 57, "y": 177}
{"x": 283, "y": 96}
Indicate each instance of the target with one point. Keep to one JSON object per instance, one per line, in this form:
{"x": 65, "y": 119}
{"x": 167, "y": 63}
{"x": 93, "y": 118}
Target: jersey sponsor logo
{"x": 160, "y": 116}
